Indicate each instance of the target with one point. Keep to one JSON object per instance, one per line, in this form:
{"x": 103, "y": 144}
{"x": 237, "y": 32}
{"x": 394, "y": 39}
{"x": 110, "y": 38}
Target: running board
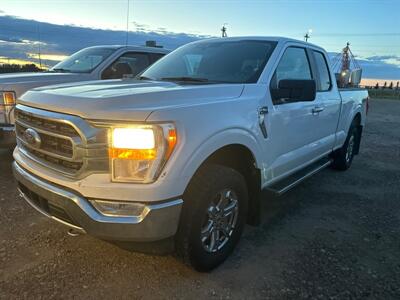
{"x": 288, "y": 183}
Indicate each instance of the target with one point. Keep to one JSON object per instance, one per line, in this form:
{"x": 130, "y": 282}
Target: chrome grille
{"x": 54, "y": 144}
{"x": 48, "y": 125}
{"x": 64, "y": 143}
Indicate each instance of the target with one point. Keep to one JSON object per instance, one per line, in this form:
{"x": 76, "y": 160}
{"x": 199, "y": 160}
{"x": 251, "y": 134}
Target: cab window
{"x": 294, "y": 64}
{"x": 128, "y": 65}
{"x": 323, "y": 70}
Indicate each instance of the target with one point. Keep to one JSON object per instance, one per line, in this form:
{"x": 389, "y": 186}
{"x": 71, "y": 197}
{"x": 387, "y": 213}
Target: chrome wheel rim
{"x": 350, "y": 147}
{"x": 220, "y": 221}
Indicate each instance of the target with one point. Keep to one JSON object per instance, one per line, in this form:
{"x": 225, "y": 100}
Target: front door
{"x": 294, "y": 134}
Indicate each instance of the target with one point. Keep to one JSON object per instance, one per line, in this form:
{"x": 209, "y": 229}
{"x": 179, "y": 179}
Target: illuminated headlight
{"x": 118, "y": 209}
{"x": 138, "y": 152}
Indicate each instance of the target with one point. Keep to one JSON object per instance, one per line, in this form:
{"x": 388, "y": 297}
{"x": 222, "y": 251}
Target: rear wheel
{"x": 343, "y": 157}
{"x": 213, "y": 217}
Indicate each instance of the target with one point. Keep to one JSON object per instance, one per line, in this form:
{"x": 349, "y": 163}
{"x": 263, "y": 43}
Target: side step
{"x": 288, "y": 183}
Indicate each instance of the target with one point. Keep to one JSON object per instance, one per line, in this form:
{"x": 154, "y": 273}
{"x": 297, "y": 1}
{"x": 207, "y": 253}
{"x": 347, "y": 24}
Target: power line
{"x": 127, "y": 25}
{"x": 358, "y": 34}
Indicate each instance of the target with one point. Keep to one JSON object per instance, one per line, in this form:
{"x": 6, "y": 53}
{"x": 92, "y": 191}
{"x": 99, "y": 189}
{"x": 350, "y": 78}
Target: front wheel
{"x": 213, "y": 216}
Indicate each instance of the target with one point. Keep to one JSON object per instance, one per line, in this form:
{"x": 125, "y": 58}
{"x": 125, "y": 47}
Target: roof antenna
{"x": 308, "y": 35}
{"x": 224, "y": 29}
{"x": 127, "y": 25}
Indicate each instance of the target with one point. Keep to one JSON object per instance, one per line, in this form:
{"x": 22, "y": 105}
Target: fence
{"x": 384, "y": 93}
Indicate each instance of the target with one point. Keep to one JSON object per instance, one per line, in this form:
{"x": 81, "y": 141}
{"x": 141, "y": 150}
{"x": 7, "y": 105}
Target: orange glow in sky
{"x": 5, "y": 60}
{"x": 53, "y": 57}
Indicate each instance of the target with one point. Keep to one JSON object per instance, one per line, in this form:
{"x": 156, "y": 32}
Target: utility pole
{"x": 223, "y": 30}
{"x": 39, "y": 42}
{"x": 307, "y": 35}
{"x": 127, "y": 25}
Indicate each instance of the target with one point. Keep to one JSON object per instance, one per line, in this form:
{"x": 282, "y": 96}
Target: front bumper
{"x": 7, "y": 136}
{"x": 156, "y": 222}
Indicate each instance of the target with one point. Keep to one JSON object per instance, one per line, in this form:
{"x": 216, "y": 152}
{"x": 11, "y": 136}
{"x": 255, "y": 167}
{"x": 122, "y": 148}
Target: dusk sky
{"x": 372, "y": 27}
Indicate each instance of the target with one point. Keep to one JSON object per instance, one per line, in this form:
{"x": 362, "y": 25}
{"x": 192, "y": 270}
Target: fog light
{"x": 118, "y": 209}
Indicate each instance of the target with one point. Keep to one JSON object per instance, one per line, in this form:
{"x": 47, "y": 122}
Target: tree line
{"x": 12, "y": 68}
{"x": 386, "y": 86}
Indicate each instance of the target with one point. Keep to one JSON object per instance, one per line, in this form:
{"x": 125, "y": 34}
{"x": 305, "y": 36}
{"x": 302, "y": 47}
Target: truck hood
{"x": 21, "y": 82}
{"x": 125, "y": 100}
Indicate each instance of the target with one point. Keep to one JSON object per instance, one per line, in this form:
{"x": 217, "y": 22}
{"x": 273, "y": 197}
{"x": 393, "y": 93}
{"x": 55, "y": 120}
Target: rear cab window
{"x": 155, "y": 56}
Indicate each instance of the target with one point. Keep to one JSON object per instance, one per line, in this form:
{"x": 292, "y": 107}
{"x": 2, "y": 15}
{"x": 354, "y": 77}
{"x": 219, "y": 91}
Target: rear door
{"x": 327, "y": 103}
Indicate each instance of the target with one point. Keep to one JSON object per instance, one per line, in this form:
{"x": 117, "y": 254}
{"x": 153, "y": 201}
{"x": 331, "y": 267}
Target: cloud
{"x": 50, "y": 57}
{"x": 21, "y": 36}
{"x": 8, "y": 39}
{"x": 388, "y": 59}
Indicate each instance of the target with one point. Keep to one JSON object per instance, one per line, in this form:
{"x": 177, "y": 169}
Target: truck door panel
{"x": 294, "y": 136}
{"x": 328, "y": 99}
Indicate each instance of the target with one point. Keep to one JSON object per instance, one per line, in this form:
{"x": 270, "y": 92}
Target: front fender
{"x": 217, "y": 141}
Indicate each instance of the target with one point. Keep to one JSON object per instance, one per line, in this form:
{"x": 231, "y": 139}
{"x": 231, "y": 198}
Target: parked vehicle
{"x": 182, "y": 153}
{"x": 93, "y": 63}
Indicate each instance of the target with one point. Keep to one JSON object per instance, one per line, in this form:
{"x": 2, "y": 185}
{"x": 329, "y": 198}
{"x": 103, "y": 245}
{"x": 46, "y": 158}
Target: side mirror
{"x": 294, "y": 90}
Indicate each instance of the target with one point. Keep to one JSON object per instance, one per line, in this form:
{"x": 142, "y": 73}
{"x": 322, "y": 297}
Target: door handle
{"x": 262, "y": 111}
{"x": 317, "y": 109}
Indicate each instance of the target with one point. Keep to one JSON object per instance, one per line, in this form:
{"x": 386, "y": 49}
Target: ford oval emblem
{"x": 32, "y": 138}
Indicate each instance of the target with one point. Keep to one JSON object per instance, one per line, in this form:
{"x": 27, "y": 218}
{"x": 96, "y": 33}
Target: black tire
{"x": 343, "y": 157}
{"x": 209, "y": 182}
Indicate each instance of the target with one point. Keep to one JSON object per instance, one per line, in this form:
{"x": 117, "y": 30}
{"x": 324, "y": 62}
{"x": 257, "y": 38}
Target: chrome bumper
{"x": 157, "y": 221}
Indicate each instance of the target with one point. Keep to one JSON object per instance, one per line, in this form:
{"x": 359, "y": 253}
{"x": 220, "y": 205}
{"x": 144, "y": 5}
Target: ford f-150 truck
{"x": 182, "y": 152}
{"x": 100, "y": 62}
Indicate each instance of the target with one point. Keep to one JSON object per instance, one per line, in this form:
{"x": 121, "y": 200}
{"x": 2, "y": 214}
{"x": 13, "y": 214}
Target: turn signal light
{"x": 9, "y": 98}
{"x": 137, "y": 154}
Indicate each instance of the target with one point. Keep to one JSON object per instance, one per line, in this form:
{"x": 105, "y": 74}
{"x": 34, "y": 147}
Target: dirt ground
{"x": 335, "y": 236}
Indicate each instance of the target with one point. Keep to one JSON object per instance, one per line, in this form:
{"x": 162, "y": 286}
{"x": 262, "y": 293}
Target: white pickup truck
{"x": 181, "y": 153}
{"x": 93, "y": 63}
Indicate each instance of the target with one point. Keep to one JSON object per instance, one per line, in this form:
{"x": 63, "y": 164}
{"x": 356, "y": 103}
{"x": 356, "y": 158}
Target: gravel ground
{"x": 335, "y": 236}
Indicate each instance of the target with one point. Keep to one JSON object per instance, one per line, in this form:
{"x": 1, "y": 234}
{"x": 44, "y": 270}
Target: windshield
{"x": 83, "y": 61}
{"x": 214, "y": 62}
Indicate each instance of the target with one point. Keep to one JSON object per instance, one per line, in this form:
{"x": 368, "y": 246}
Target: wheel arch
{"x": 240, "y": 153}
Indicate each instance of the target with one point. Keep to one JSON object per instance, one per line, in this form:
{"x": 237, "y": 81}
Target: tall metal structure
{"x": 346, "y": 58}
{"x": 347, "y": 70}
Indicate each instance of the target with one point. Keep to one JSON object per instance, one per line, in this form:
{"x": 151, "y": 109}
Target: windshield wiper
{"x": 61, "y": 70}
{"x": 145, "y": 78}
{"x": 186, "y": 79}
